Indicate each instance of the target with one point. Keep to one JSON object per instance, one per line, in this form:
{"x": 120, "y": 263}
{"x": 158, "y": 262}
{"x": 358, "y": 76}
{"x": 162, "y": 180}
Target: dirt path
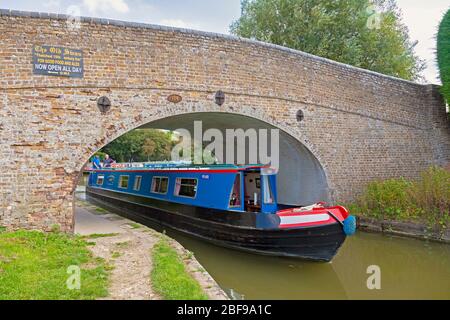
{"x": 127, "y": 247}
{"x": 129, "y": 253}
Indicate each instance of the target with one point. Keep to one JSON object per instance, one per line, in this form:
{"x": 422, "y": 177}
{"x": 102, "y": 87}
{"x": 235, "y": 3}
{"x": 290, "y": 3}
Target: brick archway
{"x": 295, "y": 187}
{"x": 207, "y": 106}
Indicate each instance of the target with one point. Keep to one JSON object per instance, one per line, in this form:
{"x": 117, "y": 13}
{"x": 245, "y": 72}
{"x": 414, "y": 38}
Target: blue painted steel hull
{"x": 252, "y": 232}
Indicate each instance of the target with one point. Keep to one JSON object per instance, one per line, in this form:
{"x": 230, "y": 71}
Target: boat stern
{"x": 327, "y": 227}
{"x": 314, "y": 215}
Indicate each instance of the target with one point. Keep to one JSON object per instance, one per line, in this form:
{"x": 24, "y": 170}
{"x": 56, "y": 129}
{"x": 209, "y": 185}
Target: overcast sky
{"x": 422, "y": 17}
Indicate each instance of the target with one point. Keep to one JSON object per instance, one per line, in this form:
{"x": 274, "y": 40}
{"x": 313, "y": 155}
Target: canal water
{"x": 409, "y": 269}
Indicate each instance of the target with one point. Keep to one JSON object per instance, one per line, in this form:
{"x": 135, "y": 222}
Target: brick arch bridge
{"x": 359, "y": 125}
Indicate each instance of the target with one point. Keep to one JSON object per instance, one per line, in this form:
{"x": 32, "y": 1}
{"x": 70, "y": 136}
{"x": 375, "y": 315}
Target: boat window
{"x": 160, "y": 184}
{"x": 186, "y": 187}
{"x": 123, "y": 182}
{"x": 268, "y": 195}
{"x": 235, "y": 199}
{"x": 110, "y": 179}
{"x": 137, "y": 183}
{"x": 100, "y": 180}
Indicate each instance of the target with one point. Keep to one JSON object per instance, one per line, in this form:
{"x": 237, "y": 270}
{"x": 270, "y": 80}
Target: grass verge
{"x": 34, "y": 266}
{"x": 169, "y": 276}
{"x": 100, "y": 235}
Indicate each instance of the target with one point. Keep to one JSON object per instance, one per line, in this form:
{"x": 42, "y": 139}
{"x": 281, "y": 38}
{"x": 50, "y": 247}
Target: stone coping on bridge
{"x": 121, "y": 23}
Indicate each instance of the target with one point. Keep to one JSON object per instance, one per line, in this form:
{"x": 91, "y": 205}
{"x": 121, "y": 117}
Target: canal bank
{"x": 420, "y": 231}
{"x": 417, "y": 208}
{"x": 128, "y": 247}
{"x": 409, "y": 269}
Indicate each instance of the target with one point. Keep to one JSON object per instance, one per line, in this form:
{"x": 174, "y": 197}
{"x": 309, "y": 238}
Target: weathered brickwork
{"x": 360, "y": 125}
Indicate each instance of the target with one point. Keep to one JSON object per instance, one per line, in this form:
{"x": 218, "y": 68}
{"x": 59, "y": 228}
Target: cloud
{"x": 178, "y": 23}
{"x": 104, "y": 5}
{"x": 52, "y": 4}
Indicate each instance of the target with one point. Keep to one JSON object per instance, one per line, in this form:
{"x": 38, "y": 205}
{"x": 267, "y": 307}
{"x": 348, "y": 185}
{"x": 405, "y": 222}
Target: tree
{"x": 157, "y": 146}
{"x": 443, "y": 54}
{"x": 140, "y": 145}
{"x": 363, "y": 33}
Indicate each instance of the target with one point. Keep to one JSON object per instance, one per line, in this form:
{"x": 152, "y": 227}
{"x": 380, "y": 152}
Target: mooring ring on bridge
{"x": 300, "y": 116}
{"x": 220, "y": 97}
{"x": 104, "y": 104}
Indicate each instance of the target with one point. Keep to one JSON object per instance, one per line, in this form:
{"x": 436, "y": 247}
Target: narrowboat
{"x": 230, "y": 205}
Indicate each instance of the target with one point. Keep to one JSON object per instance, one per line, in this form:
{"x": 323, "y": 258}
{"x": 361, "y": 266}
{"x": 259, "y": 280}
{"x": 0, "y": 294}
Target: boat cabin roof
{"x": 175, "y": 166}
{"x": 225, "y": 187}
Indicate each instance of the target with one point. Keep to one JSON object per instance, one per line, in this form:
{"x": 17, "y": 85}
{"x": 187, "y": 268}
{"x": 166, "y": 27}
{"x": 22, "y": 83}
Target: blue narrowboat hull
{"x": 248, "y": 231}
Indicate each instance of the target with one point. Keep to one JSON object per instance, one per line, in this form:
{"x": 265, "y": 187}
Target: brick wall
{"x": 360, "y": 125}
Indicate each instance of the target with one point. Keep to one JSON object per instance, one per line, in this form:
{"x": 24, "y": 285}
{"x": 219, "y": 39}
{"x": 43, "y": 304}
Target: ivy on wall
{"x": 443, "y": 54}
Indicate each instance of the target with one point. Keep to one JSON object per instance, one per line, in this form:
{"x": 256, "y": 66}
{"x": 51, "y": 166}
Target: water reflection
{"x": 410, "y": 269}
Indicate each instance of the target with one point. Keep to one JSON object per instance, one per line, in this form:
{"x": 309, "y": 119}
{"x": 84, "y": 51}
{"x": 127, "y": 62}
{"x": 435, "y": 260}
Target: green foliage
{"x": 346, "y": 31}
{"x": 443, "y": 54}
{"x": 431, "y": 193}
{"x": 134, "y": 225}
{"x": 206, "y": 155}
{"x": 169, "y": 277}
{"x": 33, "y": 265}
{"x": 100, "y": 235}
{"x": 141, "y": 145}
{"x": 426, "y": 199}
{"x": 387, "y": 199}
{"x": 100, "y": 210}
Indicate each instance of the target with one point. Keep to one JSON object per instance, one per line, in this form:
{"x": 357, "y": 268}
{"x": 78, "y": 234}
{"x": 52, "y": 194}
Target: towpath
{"x": 127, "y": 247}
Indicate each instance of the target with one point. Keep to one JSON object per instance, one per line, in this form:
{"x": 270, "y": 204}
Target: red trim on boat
{"x": 198, "y": 170}
{"x": 340, "y": 211}
{"x": 173, "y": 170}
{"x": 291, "y": 219}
